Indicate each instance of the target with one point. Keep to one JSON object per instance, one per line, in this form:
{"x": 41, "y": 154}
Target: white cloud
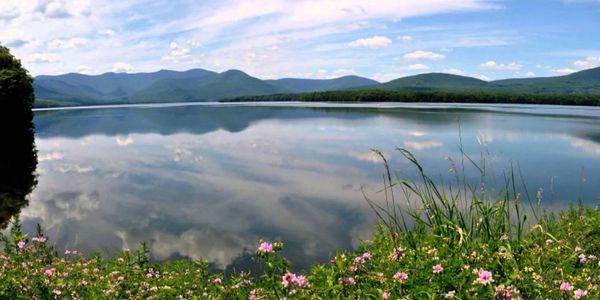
{"x": 74, "y": 168}
{"x": 423, "y": 145}
{"x": 373, "y": 42}
{"x": 368, "y": 156}
{"x": 565, "y": 71}
{"x": 415, "y": 67}
{"x": 13, "y": 38}
{"x": 106, "y": 32}
{"x": 51, "y": 156}
{"x": 121, "y": 67}
{"x": 67, "y": 44}
{"x": 455, "y": 71}
{"x": 481, "y": 76}
{"x": 530, "y": 74}
{"x": 84, "y": 69}
{"x": 63, "y": 8}
{"x": 41, "y": 58}
{"x": 124, "y": 140}
{"x": 405, "y": 38}
{"x": 385, "y": 77}
{"x": 426, "y": 55}
{"x": 492, "y": 65}
{"x": 588, "y": 63}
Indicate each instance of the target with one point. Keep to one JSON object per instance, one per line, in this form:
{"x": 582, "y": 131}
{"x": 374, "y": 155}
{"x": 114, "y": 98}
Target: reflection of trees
{"x": 18, "y": 158}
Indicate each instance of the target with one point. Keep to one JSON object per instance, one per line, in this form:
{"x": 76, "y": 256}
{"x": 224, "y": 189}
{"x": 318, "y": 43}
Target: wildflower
{"x": 38, "y": 239}
{"x": 120, "y": 260}
{"x": 217, "y": 281}
{"x": 56, "y": 292}
{"x": 438, "y": 269}
{"x": 582, "y": 258}
{"x": 565, "y": 287}
{"x": 398, "y": 253}
{"x": 293, "y": 280}
{"x": 265, "y": 247}
{"x": 592, "y": 257}
{"x": 506, "y": 292}
{"x": 349, "y": 281}
{"x": 549, "y": 242}
{"x": 21, "y": 245}
{"x": 577, "y": 249}
{"x": 504, "y": 237}
{"x": 67, "y": 252}
{"x": 485, "y": 277}
{"x": 401, "y": 277}
{"x": 366, "y": 256}
{"x": 385, "y": 295}
{"x": 579, "y": 293}
{"x": 49, "y": 272}
{"x": 450, "y": 294}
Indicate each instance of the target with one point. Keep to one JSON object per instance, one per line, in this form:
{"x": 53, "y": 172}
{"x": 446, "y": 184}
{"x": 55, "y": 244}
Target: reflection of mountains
{"x": 205, "y": 119}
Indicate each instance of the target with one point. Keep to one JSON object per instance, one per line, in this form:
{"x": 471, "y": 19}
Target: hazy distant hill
{"x": 203, "y": 85}
{"x": 294, "y": 85}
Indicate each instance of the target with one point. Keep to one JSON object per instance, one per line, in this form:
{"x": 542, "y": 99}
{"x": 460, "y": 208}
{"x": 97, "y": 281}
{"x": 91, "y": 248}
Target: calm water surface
{"x": 211, "y": 180}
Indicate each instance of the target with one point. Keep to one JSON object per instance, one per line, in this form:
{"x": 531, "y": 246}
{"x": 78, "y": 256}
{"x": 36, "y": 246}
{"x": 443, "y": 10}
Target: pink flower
{"x": 579, "y": 293}
{"x": 21, "y": 245}
{"x": 349, "y": 281}
{"x": 399, "y": 252}
{"x": 592, "y": 257}
{"x": 577, "y": 249}
{"x": 385, "y": 295}
{"x": 437, "y": 269}
{"x": 265, "y": 247}
{"x": 67, "y": 252}
{"x": 565, "y": 287}
{"x": 120, "y": 259}
{"x": 38, "y": 239}
{"x": 401, "y": 277}
{"x": 549, "y": 241}
{"x": 293, "y": 280}
{"x": 49, "y": 272}
{"x": 217, "y": 281}
{"x": 485, "y": 277}
{"x": 56, "y": 292}
{"x": 450, "y": 294}
{"x": 582, "y": 258}
{"x": 366, "y": 256}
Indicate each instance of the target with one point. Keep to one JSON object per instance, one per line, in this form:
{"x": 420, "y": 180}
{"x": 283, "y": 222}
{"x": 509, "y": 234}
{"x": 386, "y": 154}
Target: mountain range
{"x": 203, "y": 85}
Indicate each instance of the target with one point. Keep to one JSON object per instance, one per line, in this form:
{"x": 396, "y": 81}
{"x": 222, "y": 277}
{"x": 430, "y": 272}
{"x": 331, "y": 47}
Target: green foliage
{"x": 373, "y": 95}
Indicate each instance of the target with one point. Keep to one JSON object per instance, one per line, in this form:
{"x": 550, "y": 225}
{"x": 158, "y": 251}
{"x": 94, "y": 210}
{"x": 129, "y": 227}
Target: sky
{"x": 379, "y": 39}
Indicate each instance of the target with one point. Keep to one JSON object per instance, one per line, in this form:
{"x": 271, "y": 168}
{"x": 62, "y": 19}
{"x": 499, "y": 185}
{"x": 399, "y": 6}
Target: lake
{"x": 211, "y": 180}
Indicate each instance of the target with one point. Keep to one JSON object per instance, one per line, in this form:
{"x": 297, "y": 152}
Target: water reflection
{"x": 210, "y": 181}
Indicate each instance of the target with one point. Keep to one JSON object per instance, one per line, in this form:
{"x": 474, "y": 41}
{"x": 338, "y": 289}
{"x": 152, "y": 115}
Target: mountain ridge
{"x": 205, "y": 85}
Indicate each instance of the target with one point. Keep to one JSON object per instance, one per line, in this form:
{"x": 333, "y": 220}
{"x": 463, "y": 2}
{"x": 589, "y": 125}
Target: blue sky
{"x": 380, "y": 39}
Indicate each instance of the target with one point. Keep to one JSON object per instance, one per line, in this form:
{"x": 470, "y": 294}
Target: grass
{"x": 458, "y": 241}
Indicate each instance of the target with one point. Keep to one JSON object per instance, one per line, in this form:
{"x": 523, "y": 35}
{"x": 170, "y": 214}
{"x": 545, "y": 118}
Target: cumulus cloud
{"x": 368, "y": 156}
{"x": 405, "y": 38}
{"x": 423, "y": 145}
{"x": 494, "y": 66}
{"x": 426, "y": 55}
{"x": 63, "y": 8}
{"x": 373, "y": 42}
{"x": 455, "y": 71}
{"x": 106, "y": 32}
{"x": 74, "y": 168}
{"x": 41, "y": 58}
{"x": 124, "y": 140}
{"x": 530, "y": 74}
{"x": 120, "y": 67}
{"x": 51, "y": 156}
{"x": 67, "y": 44}
{"x": 415, "y": 67}
{"x": 565, "y": 71}
{"x": 588, "y": 63}
{"x": 13, "y": 38}
{"x": 84, "y": 69}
